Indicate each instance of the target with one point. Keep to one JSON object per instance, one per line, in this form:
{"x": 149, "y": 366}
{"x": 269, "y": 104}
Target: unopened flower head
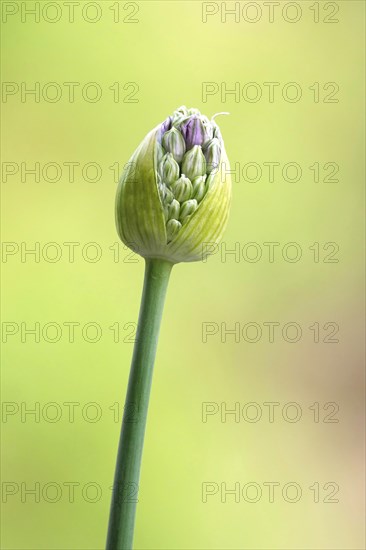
{"x": 175, "y": 192}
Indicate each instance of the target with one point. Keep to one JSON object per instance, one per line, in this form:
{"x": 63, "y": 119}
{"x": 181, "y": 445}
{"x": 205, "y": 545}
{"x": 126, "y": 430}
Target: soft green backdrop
{"x": 169, "y": 53}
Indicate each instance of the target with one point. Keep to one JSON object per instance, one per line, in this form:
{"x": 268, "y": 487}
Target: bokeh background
{"x": 166, "y": 50}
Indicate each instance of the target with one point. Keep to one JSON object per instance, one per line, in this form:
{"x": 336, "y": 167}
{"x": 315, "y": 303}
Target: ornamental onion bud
{"x": 169, "y": 169}
{"x": 194, "y": 163}
{"x": 174, "y": 143}
{"x": 198, "y": 188}
{"x": 196, "y": 131}
{"x": 188, "y": 207}
{"x": 169, "y": 203}
{"x": 212, "y": 155}
{"x": 182, "y": 189}
{"x": 173, "y": 210}
{"x": 172, "y": 228}
{"x": 159, "y": 152}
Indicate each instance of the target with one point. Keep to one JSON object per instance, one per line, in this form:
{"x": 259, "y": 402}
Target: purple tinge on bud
{"x": 194, "y": 131}
{"x": 164, "y": 127}
{"x": 167, "y": 124}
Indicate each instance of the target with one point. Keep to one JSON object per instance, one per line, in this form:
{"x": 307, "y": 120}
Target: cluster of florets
{"x": 188, "y": 156}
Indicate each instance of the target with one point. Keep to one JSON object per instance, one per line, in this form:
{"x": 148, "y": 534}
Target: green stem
{"x": 126, "y": 480}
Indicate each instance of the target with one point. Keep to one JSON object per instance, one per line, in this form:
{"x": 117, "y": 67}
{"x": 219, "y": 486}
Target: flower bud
{"x": 159, "y": 152}
{"x": 166, "y": 205}
{"x": 164, "y": 127}
{"x": 162, "y": 190}
{"x": 187, "y": 210}
{"x": 174, "y": 143}
{"x": 216, "y": 132}
{"x": 169, "y": 169}
{"x": 172, "y": 228}
{"x": 198, "y": 188}
{"x": 182, "y": 189}
{"x": 212, "y": 155}
{"x": 165, "y": 193}
{"x": 195, "y": 131}
{"x": 179, "y": 115}
{"x": 173, "y": 210}
{"x": 211, "y": 181}
{"x": 194, "y": 163}
{"x": 181, "y": 111}
{"x": 168, "y": 196}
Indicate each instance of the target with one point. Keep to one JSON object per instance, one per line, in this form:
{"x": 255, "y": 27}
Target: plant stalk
{"x": 127, "y": 474}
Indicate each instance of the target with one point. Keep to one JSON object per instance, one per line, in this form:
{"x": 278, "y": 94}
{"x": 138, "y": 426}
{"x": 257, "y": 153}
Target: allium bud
{"x": 198, "y": 188}
{"x": 165, "y": 193}
{"x": 173, "y": 210}
{"x": 164, "y": 127}
{"x": 179, "y": 115}
{"x": 174, "y": 143}
{"x": 172, "y": 228}
{"x": 169, "y": 169}
{"x": 182, "y": 189}
{"x": 187, "y": 209}
{"x": 212, "y": 155}
{"x": 168, "y": 202}
{"x": 194, "y": 163}
{"x": 159, "y": 153}
{"x": 196, "y": 131}
{"x": 162, "y": 190}
{"x": 210, "y": 182}
{"x": 168, "y": 196}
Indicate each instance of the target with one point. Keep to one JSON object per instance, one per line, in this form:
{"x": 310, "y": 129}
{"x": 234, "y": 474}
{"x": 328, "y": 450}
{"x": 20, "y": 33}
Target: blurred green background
{"x": 166, "y": 50}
